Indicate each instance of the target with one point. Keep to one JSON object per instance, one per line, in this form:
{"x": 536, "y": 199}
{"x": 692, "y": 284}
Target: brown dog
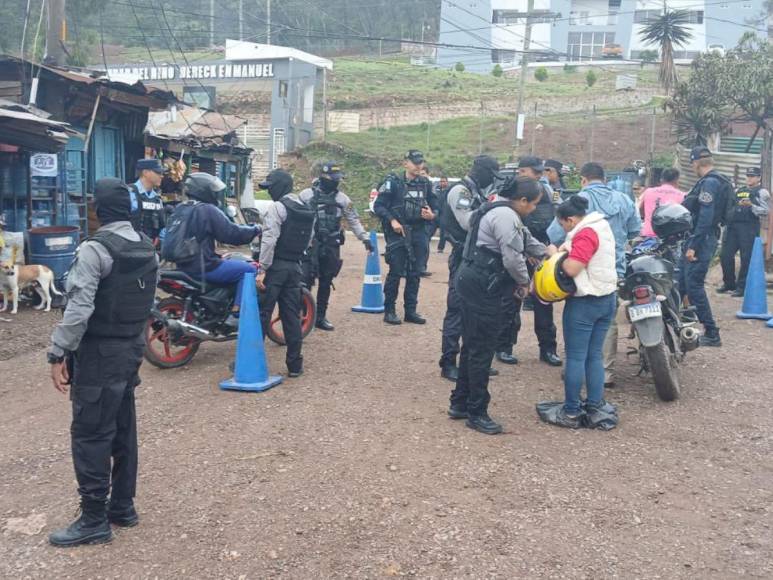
{"x": 14, "y": 278}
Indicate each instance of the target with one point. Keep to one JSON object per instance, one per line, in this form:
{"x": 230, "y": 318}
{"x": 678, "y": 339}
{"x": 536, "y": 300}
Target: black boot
{"x": 710, "y": 338}
{"x": 450, "y": 372}
{"x": 550, "y": 357}
{"x": 390, "y": 317}
{"x": 121, "y": 512}
{"x": 324, "y": 324}
{"x": 457, "y": 412}
{"x": 507, "y": 358}
{"x": 414, "y": 317}
{"x": 91, "y": 527}
{"x": 484, "y": 424}
{"x": 724, "y": 289}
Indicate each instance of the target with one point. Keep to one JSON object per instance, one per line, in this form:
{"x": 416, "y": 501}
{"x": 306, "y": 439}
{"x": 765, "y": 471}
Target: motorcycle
{"x": 665, "y": 329}
{"x": 195, "y": 312}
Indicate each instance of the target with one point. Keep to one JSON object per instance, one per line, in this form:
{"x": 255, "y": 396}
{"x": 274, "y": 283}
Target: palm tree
{"x": 667, "y": 31}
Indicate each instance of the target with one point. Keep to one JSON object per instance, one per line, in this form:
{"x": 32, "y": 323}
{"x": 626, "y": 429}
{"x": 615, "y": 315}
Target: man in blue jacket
{"x": 625, "y": 222}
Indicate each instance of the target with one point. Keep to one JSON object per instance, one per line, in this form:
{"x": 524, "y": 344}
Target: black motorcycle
{"x": 195, "y": 312}
{"x": 665, "y": 329}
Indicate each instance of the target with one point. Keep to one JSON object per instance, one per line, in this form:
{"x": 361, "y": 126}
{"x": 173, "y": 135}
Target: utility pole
{"x": 524, "y": 68}
{"x": 56, "y": 33}
{"x": 241, "y": 19}
{"x": 211, "y": 23}
{"x": 268, "y": 21}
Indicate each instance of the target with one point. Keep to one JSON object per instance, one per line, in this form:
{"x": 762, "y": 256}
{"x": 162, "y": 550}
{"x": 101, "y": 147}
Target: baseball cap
{"x": 489, "y": 163}
{"x": 554, "y": 164}
{"x": 753, "y": 172}
{"x": 534, "y": 163}
{"x": 700, "y": 152}
{"x": 332, "y": 170}
{"x": 150, "y": 165}
{"x": 415, "y": 156}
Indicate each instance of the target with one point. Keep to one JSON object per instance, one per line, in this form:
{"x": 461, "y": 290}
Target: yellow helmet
{"x": 551, "y": 283}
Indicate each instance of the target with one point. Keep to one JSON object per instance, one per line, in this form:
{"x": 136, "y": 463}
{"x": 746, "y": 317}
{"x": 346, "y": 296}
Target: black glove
{"x": 368, "y": 246}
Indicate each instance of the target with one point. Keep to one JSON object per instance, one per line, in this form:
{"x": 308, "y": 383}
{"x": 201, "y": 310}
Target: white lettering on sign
{"x": 58, "y": 242}
{"x": 207, "y": 71}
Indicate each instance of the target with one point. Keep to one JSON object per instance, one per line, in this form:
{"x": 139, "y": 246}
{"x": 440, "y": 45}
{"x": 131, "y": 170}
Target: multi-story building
{"x": 488, "y": 32}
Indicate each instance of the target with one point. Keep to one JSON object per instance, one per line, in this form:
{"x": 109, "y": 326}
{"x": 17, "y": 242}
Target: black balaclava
{"x": 278, "y": 183}
{"x": 328, "y": 185}
{"x": 112, "y": 201}
{"x": 485, "y": 169}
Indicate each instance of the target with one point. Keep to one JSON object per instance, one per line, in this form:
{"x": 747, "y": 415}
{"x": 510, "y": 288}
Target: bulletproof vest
{"x": 487, "y": 261}
{"x": 414, "y": 199}
{"x": 448, "y": 223}
{"x": 540, "y": 219}
{"x": 150, "y": 217}
{"x": 744, "y": 214}
{"x": 328, "y": 215}
{"x": 124, "y": 298}
{"x": 296, "y": 231}
{"x": 724, "y": 201}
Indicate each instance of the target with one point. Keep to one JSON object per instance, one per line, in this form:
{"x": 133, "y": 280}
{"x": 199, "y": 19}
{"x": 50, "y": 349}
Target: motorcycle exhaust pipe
{"x": 179, "y": 328}
{"x": 689, "y": 338}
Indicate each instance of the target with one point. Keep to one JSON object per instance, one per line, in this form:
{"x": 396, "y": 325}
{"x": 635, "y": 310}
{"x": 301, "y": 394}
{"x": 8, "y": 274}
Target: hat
{"x": 531, "y": 162}
{"x": 150, "y": 165}
{"x": 489, "y": 163}
{"x": 332, "y": 170}
{"x": 553, "y": 164}
{"x": 700, "y": 152}
{"x": 415, "y": 156}
{"x": 753, "y": 172}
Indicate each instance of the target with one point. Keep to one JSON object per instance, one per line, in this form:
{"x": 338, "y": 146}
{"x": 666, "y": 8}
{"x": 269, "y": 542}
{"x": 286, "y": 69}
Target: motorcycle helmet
{"x": 204, "y": 187}
{"x": 551, "y": 283}
{"x": 671, "y": 220}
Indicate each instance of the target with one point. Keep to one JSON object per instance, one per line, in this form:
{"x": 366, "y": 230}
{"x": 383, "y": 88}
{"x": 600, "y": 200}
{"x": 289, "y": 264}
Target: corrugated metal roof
{"x": 191, "y": 124}
{"x": 20, "y": 126}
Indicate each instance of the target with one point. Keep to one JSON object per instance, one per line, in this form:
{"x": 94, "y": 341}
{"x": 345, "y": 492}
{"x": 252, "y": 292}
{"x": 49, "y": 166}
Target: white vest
{"x": 599, "y": 278}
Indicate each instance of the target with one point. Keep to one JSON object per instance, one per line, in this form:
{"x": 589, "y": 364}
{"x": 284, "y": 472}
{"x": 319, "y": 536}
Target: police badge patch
{"x": 705, "y": 197}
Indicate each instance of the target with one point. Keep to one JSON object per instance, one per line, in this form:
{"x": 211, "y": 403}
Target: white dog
{"x": 14, "y": 278}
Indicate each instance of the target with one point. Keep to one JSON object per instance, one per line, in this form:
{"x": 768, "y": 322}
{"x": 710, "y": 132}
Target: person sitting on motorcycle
{"x": 209, "y": 225}
{"x": 590, "y": 244}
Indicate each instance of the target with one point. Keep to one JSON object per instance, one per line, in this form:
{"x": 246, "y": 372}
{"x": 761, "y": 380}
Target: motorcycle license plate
{"x": 643, "y": 311}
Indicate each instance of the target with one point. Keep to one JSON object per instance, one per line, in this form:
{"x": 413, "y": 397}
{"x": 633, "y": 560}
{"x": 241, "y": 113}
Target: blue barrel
{"x": 54, "y": 247}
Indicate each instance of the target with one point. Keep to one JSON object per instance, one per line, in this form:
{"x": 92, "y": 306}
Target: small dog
{"x": 14, "y": 278}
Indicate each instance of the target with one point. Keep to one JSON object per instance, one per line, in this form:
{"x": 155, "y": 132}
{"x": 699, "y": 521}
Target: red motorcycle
{"x": 195, "y": 312}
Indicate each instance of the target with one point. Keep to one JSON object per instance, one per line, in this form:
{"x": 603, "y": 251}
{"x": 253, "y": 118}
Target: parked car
{"x": 612, "y": 50}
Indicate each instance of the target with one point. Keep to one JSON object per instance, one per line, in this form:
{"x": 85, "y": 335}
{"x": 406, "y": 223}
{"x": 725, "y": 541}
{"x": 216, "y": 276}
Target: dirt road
{"x": 354, "y": 471}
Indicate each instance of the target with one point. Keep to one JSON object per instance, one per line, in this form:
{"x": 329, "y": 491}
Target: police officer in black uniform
{"x": 456, "y": 208}
{"x": 287, "y": 233}
{"x": 751, "y": 204}
{"x": 97, "y": 351}
{"x": 494, "y": 262}
{"x": 708, "y": 202}
{"x": 149, "y": 217}
{"x": 544, "y": 327}
{"x": 405, "y": 204}
{"x": 323, "y": 261}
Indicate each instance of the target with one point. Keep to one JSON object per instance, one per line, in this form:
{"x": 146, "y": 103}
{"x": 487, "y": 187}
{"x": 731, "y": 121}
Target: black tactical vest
{"x": 124, "y": 298}
{"x": 328, "y": 215}
{"x": 744, "y": 214}
{"x": 540, "y": 219}
{"x": 448, "y": 223}
{"x": 485, "y": 260}
{"x": 150, "y": 217}
{"x": 296, "y": 231}
{"x": 724, "y": 201}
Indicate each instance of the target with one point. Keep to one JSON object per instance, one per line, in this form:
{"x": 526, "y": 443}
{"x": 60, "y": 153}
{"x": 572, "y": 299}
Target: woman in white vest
{"x": 590, "y": 247}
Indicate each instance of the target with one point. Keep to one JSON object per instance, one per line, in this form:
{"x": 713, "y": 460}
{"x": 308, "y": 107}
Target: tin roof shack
{"x": 109, "y": 118}
{"x": 206, "y": 141}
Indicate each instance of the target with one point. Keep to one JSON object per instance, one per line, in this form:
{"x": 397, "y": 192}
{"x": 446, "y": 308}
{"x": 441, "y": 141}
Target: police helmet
{"x": 204, "y": 187}
{"x": 671, "y": 220}
{"x": 551, "y": 283}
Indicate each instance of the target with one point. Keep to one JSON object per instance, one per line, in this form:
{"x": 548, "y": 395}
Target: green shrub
{"x": 459, "y": 67}
{"x": 497, "y": 71}
{"x": 541, "y": 74}
{"x": 591, "y": 78}
{"x": 570, "y": 68}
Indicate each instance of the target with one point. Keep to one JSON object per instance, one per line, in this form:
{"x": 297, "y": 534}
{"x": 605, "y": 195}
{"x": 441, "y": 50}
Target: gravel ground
{"x": 354, "y": 471}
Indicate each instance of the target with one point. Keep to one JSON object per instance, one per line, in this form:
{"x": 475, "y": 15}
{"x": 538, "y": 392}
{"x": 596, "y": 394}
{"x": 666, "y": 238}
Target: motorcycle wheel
{"x": 160, "y": 351}
{"x": 665, "y": 371}
{"x": 308, "y": 318}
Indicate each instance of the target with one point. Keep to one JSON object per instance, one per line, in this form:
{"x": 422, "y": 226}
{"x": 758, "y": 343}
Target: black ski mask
{"x": 111, "y": 200}
{"x": 328, "y": 185}
{"x": 485, "y": 169}
{"x": 278, "y": 183}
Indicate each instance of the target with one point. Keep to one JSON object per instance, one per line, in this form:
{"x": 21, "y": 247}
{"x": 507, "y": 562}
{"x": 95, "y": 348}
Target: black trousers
{"x": 283, "y": 287}
{"x": 544, "y": 326}
{"x": 104, "y": 420}
{"x": 452, "y": 322}
{"x": 405, "y": 256}
{"x": 738, "y": 238}
{"x": 327, "y": 267}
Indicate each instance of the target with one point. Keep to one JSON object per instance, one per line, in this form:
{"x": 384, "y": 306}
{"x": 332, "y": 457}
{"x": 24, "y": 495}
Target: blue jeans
{"x": 586, "y": 321}
{"x": 231, "y": 272}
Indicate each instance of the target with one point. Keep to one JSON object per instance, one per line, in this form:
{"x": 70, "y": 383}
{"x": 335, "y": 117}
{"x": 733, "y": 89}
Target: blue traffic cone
{"x": 755, "y": 295}
{"x": 251, "y": 370}
{"x": 372, "y": 293}
{"x": 770, "y": 323}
